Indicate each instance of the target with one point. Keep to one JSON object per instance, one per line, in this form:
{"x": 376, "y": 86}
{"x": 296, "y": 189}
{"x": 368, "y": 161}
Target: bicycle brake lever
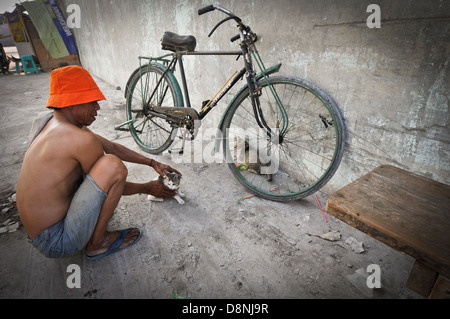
{"x": 218, "y": 24}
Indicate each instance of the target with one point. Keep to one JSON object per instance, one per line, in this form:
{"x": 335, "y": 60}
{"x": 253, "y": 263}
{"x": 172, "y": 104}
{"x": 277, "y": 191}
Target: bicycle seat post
{"x": 183, "y": 79}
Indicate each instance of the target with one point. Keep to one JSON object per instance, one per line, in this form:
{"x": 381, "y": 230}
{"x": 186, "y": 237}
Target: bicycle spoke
{"x": 151, "y": 133}
{"x": 306, "y": 155}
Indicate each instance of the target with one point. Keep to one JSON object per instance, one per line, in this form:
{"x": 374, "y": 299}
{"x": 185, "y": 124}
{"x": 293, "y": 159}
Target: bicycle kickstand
{"x": 179, "y": 151}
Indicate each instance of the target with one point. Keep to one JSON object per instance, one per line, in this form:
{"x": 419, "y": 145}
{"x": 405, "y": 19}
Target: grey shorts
{"x": 72, "y": 233}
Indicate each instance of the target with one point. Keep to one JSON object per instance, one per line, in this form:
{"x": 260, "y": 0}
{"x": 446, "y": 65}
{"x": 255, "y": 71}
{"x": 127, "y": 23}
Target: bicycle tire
{"x": 152, "y": 134}
{"x": 306, "y": 158}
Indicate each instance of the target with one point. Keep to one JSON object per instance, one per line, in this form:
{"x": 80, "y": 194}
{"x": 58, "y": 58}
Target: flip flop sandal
{"x": 115, "y": 246}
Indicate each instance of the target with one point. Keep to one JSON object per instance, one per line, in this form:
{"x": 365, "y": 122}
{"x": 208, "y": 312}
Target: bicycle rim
{"x": 151, "y": 133}
{"x": 305, "y": 158}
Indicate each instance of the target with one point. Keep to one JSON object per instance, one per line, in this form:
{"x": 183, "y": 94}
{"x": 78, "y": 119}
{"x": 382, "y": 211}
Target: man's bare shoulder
{"x": 63, "y": 139}
{"x": 67, "y": 141}
{"x": 81, "y": 140}
{"x": 71, "y": 134}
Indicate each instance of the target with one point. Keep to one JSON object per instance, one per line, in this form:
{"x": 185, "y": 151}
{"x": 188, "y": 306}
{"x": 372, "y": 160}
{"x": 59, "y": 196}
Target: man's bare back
{"x": 52, "y": 172}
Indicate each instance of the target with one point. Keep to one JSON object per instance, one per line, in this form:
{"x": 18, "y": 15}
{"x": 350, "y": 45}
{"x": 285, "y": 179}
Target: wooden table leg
{"x": 421, "y": 279}
{"x": 441, "y": 289}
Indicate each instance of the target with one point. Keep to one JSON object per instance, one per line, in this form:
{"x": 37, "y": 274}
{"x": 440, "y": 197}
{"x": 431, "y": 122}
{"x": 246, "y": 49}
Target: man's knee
{"x": 109, "y": 168}
{"x": 114, "y": 166}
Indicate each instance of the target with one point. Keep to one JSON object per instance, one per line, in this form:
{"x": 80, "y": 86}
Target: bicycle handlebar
{"x": 206, "y": 9}
{"x": 213, "y": 7}
{"x": 231, "y": 16}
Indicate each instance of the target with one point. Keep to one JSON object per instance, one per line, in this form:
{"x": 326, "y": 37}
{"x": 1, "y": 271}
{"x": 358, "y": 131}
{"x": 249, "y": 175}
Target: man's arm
{"x": 127, "y": 155}
{"x": 83, "y": 142}
{"x": 98, "y": 145}
{"x": 122, "y": 152}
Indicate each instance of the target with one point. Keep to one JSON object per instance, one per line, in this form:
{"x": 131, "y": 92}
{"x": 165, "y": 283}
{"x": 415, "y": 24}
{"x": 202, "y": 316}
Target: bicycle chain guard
{"x": 185, "y": 117}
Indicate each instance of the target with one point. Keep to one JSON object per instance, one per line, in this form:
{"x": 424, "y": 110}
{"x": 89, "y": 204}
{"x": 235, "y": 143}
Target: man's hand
{"x": 157, "y": 189}
{"x": 160, "y": 168}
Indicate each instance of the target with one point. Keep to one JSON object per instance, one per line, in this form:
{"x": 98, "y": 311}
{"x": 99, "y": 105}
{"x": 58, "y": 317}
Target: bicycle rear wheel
{"x": 304, "y": 159}
{"x": 151, "y": 133}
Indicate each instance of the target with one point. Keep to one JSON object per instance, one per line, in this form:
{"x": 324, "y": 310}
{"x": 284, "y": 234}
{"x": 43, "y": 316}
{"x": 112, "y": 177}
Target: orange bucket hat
{"x": 72, "y": 85}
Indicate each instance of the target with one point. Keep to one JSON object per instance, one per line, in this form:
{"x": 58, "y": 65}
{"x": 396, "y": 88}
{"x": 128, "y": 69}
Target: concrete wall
{"x": 391, "y": 83}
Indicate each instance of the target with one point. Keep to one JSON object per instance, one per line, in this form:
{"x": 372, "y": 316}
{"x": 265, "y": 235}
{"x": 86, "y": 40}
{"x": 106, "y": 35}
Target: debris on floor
{"x": 331, "y": 236}
{"x": 9, "y": 226}
{"x": 320, "y": 206}
{"x": 355, "y": 245}
{"x": 9, "y": 217}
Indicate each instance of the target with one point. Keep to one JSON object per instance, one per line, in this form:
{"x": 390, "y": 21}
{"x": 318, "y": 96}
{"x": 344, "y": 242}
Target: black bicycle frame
{"x": 236, "y": 78}
{"x": 248, "y": 69}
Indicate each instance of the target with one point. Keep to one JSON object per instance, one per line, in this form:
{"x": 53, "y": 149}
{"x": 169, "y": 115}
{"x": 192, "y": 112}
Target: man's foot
{"x": 114, "y": 242}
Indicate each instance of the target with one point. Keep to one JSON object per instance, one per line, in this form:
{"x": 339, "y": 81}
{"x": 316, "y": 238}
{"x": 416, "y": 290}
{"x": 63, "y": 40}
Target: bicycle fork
{"x": 255, "y": 93}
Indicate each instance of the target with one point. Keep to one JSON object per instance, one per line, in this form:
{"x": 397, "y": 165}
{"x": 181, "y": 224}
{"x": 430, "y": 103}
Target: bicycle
{"x": 288, "y": 126}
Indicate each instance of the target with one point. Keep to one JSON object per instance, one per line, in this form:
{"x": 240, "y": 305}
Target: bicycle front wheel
{"x": 151, "y": 133}
{"x": 305, "y": 147}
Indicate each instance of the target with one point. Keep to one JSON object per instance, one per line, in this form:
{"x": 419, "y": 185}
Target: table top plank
{"x": 408, "y": 212}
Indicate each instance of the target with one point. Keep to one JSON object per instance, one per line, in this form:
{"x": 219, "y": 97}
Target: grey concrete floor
{"x": 211, "y": 247}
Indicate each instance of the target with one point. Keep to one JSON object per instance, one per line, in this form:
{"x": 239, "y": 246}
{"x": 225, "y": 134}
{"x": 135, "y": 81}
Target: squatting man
{"x": 71, "y": 179}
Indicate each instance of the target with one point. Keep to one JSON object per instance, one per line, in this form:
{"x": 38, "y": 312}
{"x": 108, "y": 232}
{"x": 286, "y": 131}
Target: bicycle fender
{"x": 129, "y": 80}
{"x": 259, "y": 76}
{"x": 169, "y": 74}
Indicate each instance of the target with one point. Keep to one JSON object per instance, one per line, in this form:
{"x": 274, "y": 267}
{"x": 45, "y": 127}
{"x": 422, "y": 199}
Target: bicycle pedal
{"x": 177, "y": 151}
{"x": 125, "y": 129}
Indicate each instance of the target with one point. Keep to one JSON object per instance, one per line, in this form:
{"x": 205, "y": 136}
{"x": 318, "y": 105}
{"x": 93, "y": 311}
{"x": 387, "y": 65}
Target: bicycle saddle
{"x": 174, "y": 42}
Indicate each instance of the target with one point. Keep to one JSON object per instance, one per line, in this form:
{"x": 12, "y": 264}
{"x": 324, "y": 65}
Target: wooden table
{"x": 408, "y": 212}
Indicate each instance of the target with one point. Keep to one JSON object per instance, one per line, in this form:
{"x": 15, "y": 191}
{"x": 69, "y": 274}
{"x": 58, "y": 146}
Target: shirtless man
{"x": 68, "y": 187}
